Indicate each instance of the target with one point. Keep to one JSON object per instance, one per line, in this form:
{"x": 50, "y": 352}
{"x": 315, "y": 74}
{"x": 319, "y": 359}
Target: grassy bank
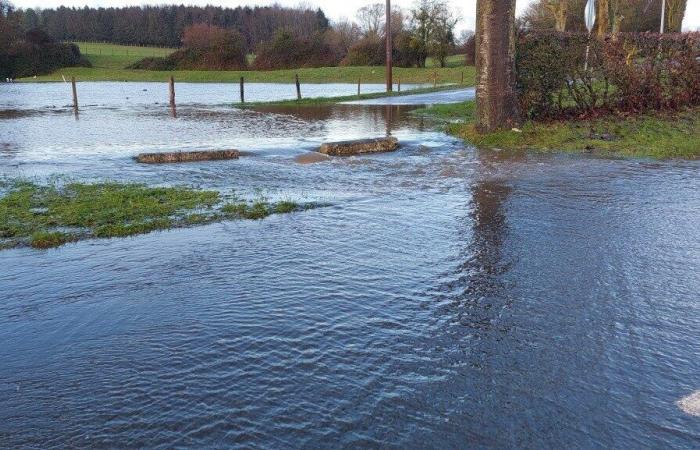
{"x": 661, "y": 136}
{"x": 109, "y": 62}
{"x": 45, "y": 216}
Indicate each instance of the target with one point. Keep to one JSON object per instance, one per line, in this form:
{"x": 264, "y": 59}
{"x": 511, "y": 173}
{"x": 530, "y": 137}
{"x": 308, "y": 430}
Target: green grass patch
{"x": 108, "y": 68}
{"x": 52, "y": 215}
{"x": 109, "y": 63}
{"x": 114, "y": 56}
{"x": 654, "y": 135}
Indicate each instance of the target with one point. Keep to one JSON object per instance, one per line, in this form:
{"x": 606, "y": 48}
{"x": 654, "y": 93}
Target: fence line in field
{"x": 296, "y": 83}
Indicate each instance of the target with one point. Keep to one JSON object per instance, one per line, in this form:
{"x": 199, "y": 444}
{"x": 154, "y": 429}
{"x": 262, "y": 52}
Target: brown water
{"x": 448, "y": 298}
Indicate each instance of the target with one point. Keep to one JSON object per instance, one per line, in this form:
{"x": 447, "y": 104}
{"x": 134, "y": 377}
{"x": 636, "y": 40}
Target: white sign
{"x": 590, "y": 15}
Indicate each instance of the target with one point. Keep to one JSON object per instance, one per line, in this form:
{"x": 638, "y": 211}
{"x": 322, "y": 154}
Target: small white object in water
{"x": 690, "y": 404}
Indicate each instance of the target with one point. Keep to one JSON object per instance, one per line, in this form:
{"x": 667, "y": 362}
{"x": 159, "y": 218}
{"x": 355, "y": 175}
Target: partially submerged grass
{"x": 52, "y": 215}
{"x": 324, "y": 101}
{"x": 653, "y": 135}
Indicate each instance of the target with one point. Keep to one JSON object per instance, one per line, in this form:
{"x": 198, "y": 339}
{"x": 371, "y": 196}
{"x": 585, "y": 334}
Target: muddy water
{"x": 448, "y": 297}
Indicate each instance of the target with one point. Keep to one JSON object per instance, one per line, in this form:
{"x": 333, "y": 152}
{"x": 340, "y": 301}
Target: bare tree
{"x": 432, "y": 30}
{"x": 496, "y": 99}
{"x": 371, "y": 19}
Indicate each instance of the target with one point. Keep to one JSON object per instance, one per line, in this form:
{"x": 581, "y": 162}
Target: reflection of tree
{"x": 477, "y": 293}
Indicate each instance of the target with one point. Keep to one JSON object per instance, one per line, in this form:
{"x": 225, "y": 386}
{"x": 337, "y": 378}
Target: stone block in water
{"x": 349, "y": 148}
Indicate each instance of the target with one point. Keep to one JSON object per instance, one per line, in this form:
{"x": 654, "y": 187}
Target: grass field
{"x": 112, "y": 56}
{"x": 109, "y": 60}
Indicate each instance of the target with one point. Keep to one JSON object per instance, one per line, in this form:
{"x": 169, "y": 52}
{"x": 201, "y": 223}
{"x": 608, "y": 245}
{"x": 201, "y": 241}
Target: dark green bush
{"x": 35, "y": 53}
{"x": 154, "y": 64}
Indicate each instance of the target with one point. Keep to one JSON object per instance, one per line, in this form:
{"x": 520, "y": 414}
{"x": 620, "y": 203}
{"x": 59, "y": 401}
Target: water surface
{"x": 448, "y": 298}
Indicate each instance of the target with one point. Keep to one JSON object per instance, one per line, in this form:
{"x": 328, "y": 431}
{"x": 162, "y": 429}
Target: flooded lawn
{"x": 447, "y": 297}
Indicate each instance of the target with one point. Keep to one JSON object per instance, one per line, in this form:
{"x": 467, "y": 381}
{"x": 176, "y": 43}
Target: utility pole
{"x": 389, "y": 50}
{"x": 663, "y": 16}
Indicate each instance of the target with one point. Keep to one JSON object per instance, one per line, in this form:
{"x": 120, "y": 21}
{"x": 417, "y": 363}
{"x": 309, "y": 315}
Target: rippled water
{"x": 449, "y": 297}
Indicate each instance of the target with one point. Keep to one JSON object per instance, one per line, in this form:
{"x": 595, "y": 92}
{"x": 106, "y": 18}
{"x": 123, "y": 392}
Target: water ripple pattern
{"x": 447, "y": 297}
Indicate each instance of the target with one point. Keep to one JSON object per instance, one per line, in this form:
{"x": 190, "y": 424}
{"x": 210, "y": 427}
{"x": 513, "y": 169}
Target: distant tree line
{"x": 165, "y": 25}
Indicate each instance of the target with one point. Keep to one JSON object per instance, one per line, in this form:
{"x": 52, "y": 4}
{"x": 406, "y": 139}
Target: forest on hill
{"x": 164, "y": 25}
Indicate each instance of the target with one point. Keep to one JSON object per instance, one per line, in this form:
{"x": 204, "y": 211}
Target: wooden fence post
{"x": 75, "y": 94}
{"x": 399, "y": 84}
{"x": 242, "y": 90}
{"x": 359, "y": 83}
{"x": 172, "y": 91}
{"x": 296, "y": 77}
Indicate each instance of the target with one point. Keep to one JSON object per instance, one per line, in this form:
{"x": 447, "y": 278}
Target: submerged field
{"x": 109, "y": 62}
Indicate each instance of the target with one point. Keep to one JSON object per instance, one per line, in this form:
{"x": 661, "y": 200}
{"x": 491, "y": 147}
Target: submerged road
{"x": 432, "y": 98}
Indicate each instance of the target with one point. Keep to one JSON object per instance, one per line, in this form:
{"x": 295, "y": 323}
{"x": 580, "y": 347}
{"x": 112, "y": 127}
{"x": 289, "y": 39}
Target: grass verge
{"x": 654, "y": 135}
{"x": 52, "y": 215}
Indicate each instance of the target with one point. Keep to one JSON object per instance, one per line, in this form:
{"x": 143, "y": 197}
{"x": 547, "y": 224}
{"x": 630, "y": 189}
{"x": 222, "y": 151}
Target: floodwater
{"x": 448, "y": 298}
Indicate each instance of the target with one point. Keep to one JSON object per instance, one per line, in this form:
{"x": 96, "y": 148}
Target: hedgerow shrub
{"x": 629, "y": 72}
{"x": 205, "y": 47}
{"x": 369, "y": 51}
{"x": 289, "y": 51}
{"x": 36, "y": 53}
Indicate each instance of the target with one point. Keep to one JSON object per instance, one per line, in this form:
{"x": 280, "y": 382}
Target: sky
{"x": 336, "y": 9}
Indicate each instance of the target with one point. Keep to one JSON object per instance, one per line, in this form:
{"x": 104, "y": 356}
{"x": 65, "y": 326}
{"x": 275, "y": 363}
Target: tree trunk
{"x": 675, "y": 12}
{"x": 602, "y": 18}
{"x": 560, "y": 11}
{"x": 389, "y": 50}
{"x": 496, "y": 99}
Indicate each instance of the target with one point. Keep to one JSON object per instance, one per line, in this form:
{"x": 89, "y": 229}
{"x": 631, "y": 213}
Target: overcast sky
{"x": 334, "y": 8}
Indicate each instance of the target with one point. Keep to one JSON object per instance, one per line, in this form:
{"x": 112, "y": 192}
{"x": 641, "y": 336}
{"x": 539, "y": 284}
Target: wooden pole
{"x": 242, "y": 90}
{"x": 389, "y": 50}
{"x": 359, "y": 83}
{"x": 75, "y": 94}
{"x": 172, "y": 91}
{"x": 296, "y": 79}
{"x": 399, "y": 84}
